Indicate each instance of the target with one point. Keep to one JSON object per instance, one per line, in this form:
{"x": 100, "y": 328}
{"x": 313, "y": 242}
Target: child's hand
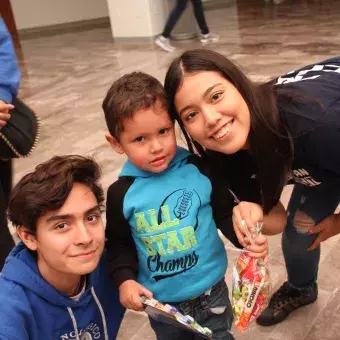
{"x": 130, "y": 292}
{"x": 4, "y": 113}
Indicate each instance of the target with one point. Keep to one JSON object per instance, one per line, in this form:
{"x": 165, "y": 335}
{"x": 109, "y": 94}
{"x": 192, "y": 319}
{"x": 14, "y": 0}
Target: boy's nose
{"x": 83, "y": 235}
{"x": 156, "y": 146}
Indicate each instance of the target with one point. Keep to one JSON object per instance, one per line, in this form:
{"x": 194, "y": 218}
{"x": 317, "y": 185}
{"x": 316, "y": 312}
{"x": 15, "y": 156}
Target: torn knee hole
{"x": 302, "y": 222}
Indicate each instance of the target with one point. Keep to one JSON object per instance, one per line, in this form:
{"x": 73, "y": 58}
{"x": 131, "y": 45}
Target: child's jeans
{"x": 213, "y": 311}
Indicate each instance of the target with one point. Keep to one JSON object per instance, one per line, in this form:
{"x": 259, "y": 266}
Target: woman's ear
{"x": 114, "y": 143}
{"x": 27, "y": 237}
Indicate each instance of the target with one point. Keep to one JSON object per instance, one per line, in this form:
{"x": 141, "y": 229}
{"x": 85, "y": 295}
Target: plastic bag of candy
{"x": 250, "y": 286}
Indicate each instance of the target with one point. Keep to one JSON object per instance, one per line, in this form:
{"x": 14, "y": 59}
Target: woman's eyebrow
{"x": 209, "y": 89}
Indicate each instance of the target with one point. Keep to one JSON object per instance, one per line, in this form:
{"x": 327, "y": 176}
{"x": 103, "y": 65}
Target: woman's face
{"x": 213, "y": 112}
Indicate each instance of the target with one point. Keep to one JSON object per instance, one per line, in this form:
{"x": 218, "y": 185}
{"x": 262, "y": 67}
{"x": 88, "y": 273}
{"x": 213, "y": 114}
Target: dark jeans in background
{"x": 178, "y": 11}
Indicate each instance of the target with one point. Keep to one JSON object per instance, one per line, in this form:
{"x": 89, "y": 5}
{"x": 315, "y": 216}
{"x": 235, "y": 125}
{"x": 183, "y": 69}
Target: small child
{"x": 163, "y": 213}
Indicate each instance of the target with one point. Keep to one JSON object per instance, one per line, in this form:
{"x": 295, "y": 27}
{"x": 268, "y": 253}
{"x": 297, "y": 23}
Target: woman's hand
{"x": 4, "y": 113}
{"x": 246, "y": 215}
{"x": 327, "y": 228}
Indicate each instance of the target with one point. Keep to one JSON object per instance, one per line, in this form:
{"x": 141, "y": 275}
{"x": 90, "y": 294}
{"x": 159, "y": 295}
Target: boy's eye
{"x": 61, "y": 226}
{"x": 216, "y": 96}
{"x": 163, "y": 131}
{"x": 190, "y": 116}
{"x": 93, "y": 218}
{"x": 139, "y": 139}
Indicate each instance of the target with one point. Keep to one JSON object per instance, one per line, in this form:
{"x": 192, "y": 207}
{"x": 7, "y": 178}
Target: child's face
{"x": 148, "y": 139}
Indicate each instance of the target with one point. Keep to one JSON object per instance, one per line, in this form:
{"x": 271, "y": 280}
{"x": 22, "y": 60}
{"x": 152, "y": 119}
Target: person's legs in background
{"x": 308, "y": 206}
{"x": 163, "y": 41}
{"x": 6, "y": 240}
{"x": 206, "y": 36}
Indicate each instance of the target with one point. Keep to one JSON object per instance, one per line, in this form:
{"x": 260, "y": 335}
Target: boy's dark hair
{"x": 48, "y": 186}
{"x": 130, "y": 93}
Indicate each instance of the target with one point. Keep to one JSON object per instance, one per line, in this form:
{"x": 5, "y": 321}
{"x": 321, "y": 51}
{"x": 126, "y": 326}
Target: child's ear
{"x": 27, "y": 237}
{"x": 114, "y": 143}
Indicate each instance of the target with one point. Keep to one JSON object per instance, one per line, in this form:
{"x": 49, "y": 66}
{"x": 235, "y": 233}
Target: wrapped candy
{"x": 250, "y": 287}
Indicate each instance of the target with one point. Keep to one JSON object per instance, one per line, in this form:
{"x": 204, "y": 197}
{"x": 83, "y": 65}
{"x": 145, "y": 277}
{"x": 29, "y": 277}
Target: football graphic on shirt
{"x": 183, "y": 204}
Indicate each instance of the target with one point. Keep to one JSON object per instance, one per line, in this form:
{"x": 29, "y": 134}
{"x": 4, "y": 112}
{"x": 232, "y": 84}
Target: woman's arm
{"x": 275, "y": 222}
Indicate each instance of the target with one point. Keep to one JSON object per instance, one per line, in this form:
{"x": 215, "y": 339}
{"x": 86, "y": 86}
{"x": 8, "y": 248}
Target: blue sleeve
{"x": 15, "y": 315}
{"x": 9, "y": 69}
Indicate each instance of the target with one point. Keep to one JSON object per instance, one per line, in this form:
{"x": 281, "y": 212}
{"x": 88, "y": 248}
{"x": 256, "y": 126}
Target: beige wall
{"x": 36, "y": 13}
{"x": 137, "y": 18}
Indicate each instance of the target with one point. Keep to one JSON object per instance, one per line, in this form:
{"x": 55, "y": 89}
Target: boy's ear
{"x": 27, "y": 237}
{"x": 114, "y": 143}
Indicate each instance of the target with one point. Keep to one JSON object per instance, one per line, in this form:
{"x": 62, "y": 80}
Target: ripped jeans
{"x": 212, "y": 311}
{"x": 308, "y": 206}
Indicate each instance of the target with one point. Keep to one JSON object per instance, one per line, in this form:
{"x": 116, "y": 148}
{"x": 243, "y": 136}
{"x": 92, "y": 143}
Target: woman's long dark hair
{"x": 270, "y": 144}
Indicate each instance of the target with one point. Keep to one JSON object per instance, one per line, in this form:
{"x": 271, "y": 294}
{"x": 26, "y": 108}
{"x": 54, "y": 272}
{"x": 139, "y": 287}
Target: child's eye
{"x": 139, "y": 139}
{"x": 163, "y": 131}
{"x": 191, "y": 115}
{"x": 216, "y": 96}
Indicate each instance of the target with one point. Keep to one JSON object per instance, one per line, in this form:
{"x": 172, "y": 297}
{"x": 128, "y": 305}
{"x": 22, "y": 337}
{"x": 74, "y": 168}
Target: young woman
{"x": 261, "y": 136}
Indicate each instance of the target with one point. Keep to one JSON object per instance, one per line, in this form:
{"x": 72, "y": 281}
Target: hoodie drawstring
{"x": 74, "y": 321}
{"x": 106, "y": 336}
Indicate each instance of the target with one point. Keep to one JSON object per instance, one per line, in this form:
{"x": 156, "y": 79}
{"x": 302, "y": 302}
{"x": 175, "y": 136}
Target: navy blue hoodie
{"x": 31, "y": 309}
{"x": 312, "y": 118}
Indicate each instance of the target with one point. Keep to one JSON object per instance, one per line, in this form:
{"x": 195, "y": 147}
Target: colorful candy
{"x": 250, "y": 290}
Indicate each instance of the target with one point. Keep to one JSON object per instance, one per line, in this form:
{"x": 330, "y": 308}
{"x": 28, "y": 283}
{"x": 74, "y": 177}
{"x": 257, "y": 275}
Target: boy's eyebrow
{"x": 204, "y": 94}
{"x": 68, "y": 216}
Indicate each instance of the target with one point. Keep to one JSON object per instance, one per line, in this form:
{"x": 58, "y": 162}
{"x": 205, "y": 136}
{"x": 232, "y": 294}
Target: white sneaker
{"x": 209, "y": 38}
{"x": 164, "y": 43}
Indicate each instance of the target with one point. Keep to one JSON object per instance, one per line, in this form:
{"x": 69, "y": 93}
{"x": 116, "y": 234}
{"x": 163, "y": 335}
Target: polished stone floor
{"x": 65, "y": 78}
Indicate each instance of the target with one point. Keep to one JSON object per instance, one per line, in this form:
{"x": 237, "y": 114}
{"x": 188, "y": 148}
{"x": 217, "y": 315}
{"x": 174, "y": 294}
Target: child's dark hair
{"x": 130, "y": 93}
{"x": 48, "y": 186}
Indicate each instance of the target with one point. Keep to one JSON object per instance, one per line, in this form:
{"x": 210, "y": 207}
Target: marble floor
{"x": 65, "y": 78}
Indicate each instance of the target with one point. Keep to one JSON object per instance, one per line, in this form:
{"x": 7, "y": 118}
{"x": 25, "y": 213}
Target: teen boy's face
{"x": 148, "y": 139}
{"x": 71, "y": 239}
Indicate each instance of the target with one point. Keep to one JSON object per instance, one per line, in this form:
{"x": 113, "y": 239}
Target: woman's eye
{"x": 216, "y": 96}
{"x": 190, "y": 115}
{"x": 139, "y": 139}
{"x": 163, "y": 131}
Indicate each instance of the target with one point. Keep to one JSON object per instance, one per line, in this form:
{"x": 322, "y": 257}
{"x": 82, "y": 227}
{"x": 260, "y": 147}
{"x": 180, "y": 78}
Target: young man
{"x": 54, "y": 284}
